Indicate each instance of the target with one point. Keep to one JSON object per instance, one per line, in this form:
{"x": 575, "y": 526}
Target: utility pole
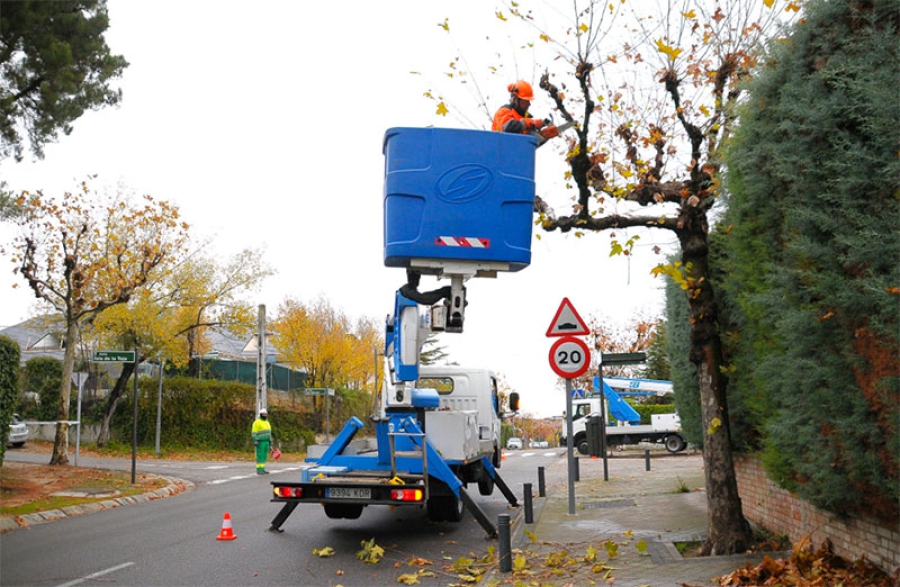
{"x": 262, "y": 401}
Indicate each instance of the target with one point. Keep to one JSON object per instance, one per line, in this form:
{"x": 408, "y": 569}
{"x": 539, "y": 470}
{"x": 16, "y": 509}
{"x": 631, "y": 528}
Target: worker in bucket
{"x": 514, "y": 117}
{"x": 261, "y": 432}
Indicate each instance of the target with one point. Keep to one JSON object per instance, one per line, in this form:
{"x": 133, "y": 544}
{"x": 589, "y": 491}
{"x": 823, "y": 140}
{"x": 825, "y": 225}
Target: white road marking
{"x": 286, "y": 470}
{"x": 97, "y": 574}
{"x": 235, "y": 478}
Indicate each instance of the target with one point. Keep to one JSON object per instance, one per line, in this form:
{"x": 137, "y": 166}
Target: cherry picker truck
{"x": 457, "y": 205}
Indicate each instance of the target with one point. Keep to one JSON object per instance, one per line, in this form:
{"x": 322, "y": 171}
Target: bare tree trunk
{"x": 729, "y": 531}
{"x": 112, "y": 401}
{"x": 60, "y": 454}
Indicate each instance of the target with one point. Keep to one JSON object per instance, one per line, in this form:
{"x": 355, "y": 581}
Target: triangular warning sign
{"x": 567, "y": 322}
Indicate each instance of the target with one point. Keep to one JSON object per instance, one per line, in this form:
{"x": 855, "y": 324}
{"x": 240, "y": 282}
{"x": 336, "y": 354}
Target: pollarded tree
{"x": 87, "y": 253}
{"x": 54, "y": 65}
{"x": 653, "y": 94}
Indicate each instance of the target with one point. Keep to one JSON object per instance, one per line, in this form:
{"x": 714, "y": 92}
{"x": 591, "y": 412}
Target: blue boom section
{"x": 618, "y": 407}
{"x": 458, "y": 195}
{"x": 406, "y": 361}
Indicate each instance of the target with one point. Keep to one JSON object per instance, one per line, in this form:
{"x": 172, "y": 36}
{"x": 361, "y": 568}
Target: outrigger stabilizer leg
{"x": 499, "y": 482}
{"x": 479, "y": 514}
{"x": 474, "y": 507}
{"x": 286, "y": 511}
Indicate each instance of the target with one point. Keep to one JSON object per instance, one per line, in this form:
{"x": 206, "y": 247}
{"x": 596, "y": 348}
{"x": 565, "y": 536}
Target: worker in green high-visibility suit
{"x": 262, "y": 439}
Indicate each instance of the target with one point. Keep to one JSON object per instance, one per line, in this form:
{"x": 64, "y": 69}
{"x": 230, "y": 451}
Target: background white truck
{"x": 664, "y": 428}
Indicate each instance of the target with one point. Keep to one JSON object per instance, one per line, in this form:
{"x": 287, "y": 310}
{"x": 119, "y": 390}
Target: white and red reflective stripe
{"x": 463, "y": 241}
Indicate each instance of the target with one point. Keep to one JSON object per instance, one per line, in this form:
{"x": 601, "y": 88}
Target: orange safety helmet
{"x": 521, "y": 89}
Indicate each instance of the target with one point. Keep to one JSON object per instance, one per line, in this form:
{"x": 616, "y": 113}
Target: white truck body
{"x": 469, "y": 411}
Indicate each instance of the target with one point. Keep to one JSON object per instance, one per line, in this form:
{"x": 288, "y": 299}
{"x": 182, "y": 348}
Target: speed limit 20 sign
{"x": 570, "y": 357}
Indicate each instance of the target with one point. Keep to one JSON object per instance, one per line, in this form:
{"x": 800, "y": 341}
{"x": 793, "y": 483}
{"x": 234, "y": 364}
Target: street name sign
{"x": 319, "y": 391}
{"x": 622, "y": 358}
{"x": 113, "y": 356}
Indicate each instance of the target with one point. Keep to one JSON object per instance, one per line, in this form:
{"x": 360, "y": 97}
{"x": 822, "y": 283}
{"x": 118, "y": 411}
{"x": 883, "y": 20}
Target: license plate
{"x": 350, "y": 492}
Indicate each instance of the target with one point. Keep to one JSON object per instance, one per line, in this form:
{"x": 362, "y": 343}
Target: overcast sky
{"x": 265, "y": 125}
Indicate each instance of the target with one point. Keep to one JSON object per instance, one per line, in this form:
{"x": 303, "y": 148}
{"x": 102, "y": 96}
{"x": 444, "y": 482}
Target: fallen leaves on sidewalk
{"x": 808, "y": 568}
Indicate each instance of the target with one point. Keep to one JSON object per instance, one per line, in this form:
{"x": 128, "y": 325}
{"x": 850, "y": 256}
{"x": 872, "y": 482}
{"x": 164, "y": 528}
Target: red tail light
{"x": 287, "y": 491}
{"x": 407, "y": 494}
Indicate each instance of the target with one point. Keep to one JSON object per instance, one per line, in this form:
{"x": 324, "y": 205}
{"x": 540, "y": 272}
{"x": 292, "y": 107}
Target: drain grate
{"x": 612, "y": 503}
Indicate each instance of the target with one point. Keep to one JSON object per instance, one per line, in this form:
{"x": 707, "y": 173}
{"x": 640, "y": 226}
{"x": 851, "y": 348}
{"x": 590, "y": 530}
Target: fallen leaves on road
{"x": 323, "y": 552}
{"x": 371, "y": 552}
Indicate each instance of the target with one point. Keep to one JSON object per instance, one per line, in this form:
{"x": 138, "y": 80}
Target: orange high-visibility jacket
{"x": 507, "y": 113}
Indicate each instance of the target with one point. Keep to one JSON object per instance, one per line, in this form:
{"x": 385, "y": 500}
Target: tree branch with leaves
{"x": 87, "y": 253}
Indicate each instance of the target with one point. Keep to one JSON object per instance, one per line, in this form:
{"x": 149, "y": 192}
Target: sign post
{"x": 79, "y": 378}
{"x": 611, "y": 359}
{"x": 569, "y": 358}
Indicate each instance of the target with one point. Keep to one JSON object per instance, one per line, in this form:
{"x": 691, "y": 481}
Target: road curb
{"x": 175, "y": 486}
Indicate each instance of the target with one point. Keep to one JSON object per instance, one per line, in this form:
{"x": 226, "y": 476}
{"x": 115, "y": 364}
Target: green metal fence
{"x": 277, "y": 377}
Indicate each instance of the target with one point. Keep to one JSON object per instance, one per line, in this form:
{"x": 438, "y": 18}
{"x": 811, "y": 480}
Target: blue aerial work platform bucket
{"x": 456, "y": 195}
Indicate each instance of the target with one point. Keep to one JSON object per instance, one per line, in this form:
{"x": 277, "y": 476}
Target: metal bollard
{"x": 577, "y": 472}
{"x": 529, "y": 511}
{"x": 504, "y": 547}
{"x": 647, "y": 458}
{"x": 542, "y": 488}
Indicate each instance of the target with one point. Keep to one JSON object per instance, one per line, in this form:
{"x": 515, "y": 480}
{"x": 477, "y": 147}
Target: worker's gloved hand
{"x": 514, "y": 126}
{"x": 533, "y": 123}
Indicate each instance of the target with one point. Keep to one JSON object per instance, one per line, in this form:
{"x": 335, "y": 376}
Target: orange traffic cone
{"x": 502, "y": 456}
{"x": 227, "y": 532}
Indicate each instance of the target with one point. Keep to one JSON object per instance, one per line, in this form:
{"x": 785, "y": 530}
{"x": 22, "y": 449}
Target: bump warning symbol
{"x": 567, "y": 322}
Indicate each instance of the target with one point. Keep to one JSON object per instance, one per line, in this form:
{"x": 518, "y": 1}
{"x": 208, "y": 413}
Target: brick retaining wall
{"x": 779, "y": 511}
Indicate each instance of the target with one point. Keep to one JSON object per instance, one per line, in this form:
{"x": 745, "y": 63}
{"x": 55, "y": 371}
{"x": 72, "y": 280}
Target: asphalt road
{"x": 172, "y": 541}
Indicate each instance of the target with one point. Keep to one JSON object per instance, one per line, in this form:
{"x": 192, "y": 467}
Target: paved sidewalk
{"x": 639, "y": 514}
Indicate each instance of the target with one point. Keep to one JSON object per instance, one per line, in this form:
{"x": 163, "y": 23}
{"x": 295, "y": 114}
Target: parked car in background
{"x": 514, "y": 443}
{"x": 18, "y": 432}
{"x": 540, "y": 444}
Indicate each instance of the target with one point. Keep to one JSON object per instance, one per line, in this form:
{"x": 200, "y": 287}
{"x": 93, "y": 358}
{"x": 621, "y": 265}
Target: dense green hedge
{"x": 9, "y": 388}
{"x": 208, "y": 415}
{"x": 43, "y": 376}
{"x": 809, "y": 306}
{"x": 683, "y": 372}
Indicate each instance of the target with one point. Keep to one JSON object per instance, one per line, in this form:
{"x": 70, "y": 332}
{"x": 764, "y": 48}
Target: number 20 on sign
{"x": 569, "y": 357}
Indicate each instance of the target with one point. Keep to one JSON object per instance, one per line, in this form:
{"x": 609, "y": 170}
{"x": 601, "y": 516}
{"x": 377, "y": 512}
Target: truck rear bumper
{"x": 349, "y": 492}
